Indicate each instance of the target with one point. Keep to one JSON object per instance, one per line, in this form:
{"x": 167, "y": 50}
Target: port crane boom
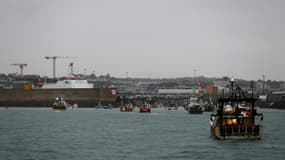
{"x": 21, "y": 65}
{"x": 54, "y": 62}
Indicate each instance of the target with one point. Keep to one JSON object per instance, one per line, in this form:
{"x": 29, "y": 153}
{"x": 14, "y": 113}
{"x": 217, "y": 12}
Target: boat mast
{"x": 252, "y": 103}
{"x": 195, "y": 81}
{"x": 232, "y": 90}
{"x": 263, "y": 84}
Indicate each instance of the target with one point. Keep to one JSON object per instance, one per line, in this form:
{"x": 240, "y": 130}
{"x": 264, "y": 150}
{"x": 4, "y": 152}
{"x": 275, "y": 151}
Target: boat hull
{"x": 237, "y": 132}
{"x": 59, "y": 107}
{"x": 126, "y": 109}
{"x": 145, "y": 110}
{"x": 195, "y": 111}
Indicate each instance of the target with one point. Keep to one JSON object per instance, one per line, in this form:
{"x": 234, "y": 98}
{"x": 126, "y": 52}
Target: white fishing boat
{"x": 195, "y": 105}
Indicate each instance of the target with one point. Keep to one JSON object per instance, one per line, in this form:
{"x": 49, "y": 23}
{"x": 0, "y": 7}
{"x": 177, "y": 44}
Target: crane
{"x": 54, "y": 60}
{"x": 21, "y": 65}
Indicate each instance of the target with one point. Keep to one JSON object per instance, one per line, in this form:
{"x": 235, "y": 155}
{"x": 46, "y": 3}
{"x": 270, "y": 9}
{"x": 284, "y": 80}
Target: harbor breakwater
{"x": 45, "y": 97}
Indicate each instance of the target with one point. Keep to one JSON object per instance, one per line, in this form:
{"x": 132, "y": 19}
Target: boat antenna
{"x": 252, "y": 102}
{"x": 232, "y": 82}
{"x": 252, "y": 86}
{"x": 263, "y": 84}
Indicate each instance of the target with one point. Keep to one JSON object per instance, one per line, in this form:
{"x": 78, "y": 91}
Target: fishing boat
{"x": 126, "y": 104}
{"x": 99, "y": 106}
{"x": 195, "y": 105}
{"x": 109, "y": 106}
{"x": 146, "y": 107}
{"x": 171, "y": 106}
{"x": 59, "y": 104}
{"x": 127, "y": 108}
{"x": 235, "y": 116}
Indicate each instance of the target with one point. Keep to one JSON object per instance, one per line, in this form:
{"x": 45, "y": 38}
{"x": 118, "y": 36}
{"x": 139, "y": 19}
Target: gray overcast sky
{"x": 146, "y": 38}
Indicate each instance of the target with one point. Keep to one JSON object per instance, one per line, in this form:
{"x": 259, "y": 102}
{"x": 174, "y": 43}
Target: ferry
{"x": 235, "y": 116}
{"x": 68, "y": 84}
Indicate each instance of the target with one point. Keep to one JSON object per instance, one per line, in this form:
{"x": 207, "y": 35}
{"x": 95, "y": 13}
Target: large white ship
{"x": 68, "y": 83}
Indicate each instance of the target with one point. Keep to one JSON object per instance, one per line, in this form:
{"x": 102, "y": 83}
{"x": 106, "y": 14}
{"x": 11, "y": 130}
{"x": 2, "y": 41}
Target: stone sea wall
{"x": 45, "y": 97}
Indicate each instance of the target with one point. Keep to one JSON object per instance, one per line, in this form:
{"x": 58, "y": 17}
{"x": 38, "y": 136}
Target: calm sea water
{"x": 87, "y": 134}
